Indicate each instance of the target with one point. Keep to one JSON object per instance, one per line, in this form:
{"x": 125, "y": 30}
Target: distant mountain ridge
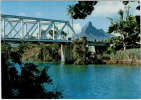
{"x": 92, "y": 33}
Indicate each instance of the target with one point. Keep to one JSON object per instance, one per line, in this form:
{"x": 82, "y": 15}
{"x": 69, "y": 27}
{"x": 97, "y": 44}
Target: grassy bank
{"x": 52, "y": 52}
{"x": 129, "y": 56}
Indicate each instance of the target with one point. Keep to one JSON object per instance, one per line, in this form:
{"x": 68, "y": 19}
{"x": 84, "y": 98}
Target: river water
{"x": 96, "y": 81}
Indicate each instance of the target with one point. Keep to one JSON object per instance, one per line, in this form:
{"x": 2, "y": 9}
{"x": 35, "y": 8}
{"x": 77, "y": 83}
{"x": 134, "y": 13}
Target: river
{"x": 96, "y": 81}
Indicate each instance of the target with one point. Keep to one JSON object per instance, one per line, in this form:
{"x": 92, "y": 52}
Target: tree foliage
{"x": 128, "y": 27}
{"x": 70, "y": 12}
{"x": 27, "y": 85}
{"x": 79, "y": 51}
{"x": 81, "y": 9}
{"x": 49, "y": 52}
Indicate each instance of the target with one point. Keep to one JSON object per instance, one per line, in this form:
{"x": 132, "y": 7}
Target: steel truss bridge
{"x": 21, "y": 28}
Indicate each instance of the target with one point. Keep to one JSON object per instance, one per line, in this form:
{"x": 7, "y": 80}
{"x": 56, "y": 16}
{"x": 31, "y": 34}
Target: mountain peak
{"x": 88, "y": 27}
{"x": 90, "y": 23}
{"x": 92, "y": 33}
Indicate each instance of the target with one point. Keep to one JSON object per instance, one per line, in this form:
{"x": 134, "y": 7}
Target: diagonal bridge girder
{"x": 31, "y": 27}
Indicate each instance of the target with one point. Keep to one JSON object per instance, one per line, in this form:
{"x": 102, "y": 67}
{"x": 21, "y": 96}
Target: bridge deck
{"x": 17, "y": 40}
{"x": 36, "y": 40}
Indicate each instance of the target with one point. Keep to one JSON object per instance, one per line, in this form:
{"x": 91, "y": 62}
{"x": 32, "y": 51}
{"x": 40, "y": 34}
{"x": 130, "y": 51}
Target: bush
{"x": 27, "y": 85}
{"x": 79, "y": 51}
{"x": 49, "y": 52}
{"x": 134, "y": 54}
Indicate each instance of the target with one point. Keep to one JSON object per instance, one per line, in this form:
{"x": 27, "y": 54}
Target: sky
{"x": 58, "y": 10}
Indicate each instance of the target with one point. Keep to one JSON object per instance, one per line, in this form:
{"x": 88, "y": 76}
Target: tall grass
{"x": 129, "y": 54}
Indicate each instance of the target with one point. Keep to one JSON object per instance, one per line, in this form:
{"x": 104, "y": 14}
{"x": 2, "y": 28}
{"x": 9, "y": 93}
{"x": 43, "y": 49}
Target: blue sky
{"x": 58, "y": 10}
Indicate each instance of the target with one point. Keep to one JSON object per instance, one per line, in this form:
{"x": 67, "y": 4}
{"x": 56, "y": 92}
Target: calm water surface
{"x": 96, "y": 81}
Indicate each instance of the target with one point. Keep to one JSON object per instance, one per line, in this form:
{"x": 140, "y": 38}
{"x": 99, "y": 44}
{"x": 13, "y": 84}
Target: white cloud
{"x": 107, "y": 8}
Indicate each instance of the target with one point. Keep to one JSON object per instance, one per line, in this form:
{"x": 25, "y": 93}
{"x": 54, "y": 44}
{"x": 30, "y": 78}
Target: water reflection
{"x": 96, "y": 81}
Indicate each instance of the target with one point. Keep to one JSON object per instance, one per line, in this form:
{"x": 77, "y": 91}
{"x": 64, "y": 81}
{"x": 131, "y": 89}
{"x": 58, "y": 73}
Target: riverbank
{"x": 128, "y": 57}
{"x": 124, "y": 62}
{"x": 52, "y": 53}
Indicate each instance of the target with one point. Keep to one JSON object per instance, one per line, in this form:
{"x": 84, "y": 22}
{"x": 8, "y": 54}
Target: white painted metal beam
{"x": 32, "y": 18}
{"x": 34, "y": 30}
{"x": 12, "y": 28}
{"x": 49, "y": 27}
{"x": 17, "y": 33}
{"x": 22, "y": 29}
{"x": 61, "y": 30}
{"x": 39, "y": 30}
{"x": 20, "y": 26}
{"x": 11, "y": 25}
{"x": 27, "y": 34}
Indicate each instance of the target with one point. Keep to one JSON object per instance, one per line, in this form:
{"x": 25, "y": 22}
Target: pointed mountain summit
{"x": 92, "y": 33}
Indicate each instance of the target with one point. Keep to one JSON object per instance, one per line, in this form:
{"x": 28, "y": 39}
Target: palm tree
{"x": 121, "y": 12}
{"x": 71, "y": 12}
{"x": 126, "y": 7}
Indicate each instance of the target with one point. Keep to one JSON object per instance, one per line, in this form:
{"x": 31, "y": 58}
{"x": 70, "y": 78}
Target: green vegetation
{"x": 64, "y": 34}
{"x": 82, "y": 55}
{"x": 81, "y": 9}
{"x": 128, "y": 27}
{"x": 129, "y": 40}
{"x": 49, "y": 52}
{"x": 126, "y": 24}
{"x": 129, "y": 31}
{"x": 70, "y": 12}
{"x": 27, "y": 85}
{"x": 34, "y": 52}
{"x": 129, "y": 56}
{"x": 79, "y": 51}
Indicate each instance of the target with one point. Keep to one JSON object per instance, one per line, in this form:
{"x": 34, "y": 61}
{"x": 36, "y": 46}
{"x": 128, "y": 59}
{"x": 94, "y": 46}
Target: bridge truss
{"x": 31, "y": 28}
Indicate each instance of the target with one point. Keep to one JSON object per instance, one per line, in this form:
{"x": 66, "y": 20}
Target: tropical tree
{"x": 79, "y": 51}
{"x": 82, "y": 9}
{"x": 127, "y": 26}
{"x": 127, "y": 2}
{"x": 121, "y": 12}
{"x": 71, "y": 12}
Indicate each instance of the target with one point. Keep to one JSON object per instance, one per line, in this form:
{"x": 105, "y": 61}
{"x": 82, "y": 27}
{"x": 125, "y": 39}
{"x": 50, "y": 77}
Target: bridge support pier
{"x": 66, "y": 53}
